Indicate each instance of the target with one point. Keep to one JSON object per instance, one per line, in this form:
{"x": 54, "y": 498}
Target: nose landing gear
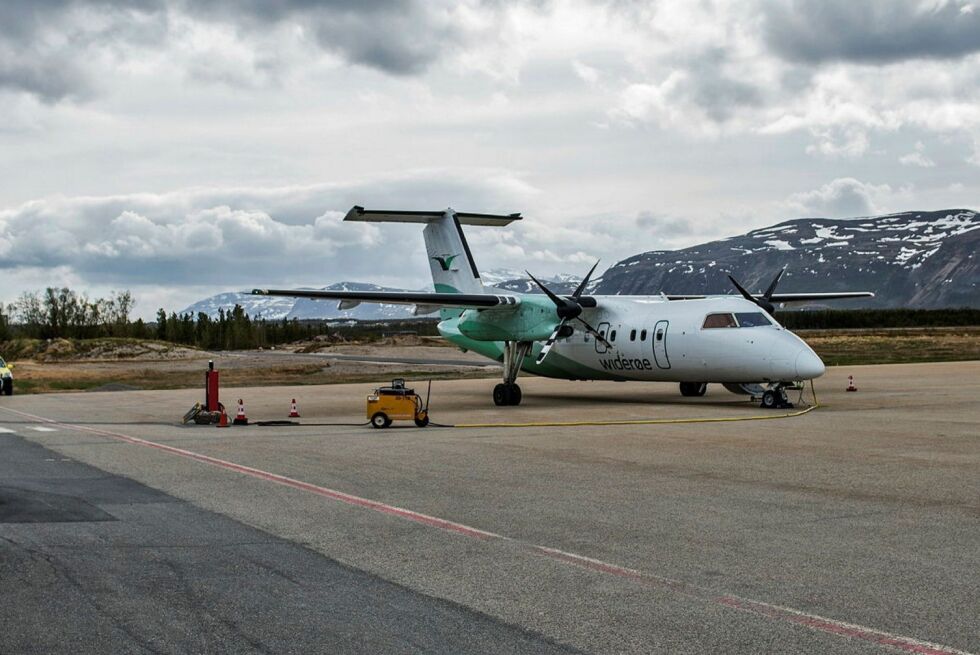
{"x": 775, "y": 398}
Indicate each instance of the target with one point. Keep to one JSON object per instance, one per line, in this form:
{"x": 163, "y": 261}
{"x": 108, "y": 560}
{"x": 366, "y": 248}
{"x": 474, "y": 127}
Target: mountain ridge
{"x": 921, "y": 259}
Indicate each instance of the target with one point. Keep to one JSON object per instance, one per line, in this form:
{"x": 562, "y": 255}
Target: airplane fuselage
{"x": 654, "y": 339}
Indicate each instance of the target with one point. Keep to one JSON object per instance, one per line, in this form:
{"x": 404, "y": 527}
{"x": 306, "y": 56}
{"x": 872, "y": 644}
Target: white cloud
{"x": 843, "y": 197}
{"x": 917, "y": 158}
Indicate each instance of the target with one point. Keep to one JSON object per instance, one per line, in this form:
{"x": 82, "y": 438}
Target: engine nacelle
{"x": 533, "y": 320}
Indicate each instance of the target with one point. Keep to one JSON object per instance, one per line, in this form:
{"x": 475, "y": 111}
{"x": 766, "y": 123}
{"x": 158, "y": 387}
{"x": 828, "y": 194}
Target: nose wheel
{"x": 775, "y": 398}
{"x": 507, "y": 394}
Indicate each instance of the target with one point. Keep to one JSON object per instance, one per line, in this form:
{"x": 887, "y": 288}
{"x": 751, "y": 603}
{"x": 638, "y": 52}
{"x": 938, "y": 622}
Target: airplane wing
{"x": 785, "y": 297}
{"x": 350, "y": 299}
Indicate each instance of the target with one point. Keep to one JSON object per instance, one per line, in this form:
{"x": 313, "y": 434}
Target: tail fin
{"x": 450, "y": 259}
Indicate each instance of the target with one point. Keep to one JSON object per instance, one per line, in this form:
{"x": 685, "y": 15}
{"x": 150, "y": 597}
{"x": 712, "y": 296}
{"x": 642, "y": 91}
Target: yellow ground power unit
{"x": 397, "y": 403}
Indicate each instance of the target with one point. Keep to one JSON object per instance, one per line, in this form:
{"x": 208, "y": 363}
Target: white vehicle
{"x": 692, "y": 340}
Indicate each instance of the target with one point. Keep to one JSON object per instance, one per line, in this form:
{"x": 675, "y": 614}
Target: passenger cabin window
{"x": 752, "y": 319}
{"x": 719, "y": 321}
{"x": 643, "y": 335}
{"x": 632, "y": 335}
{"x": 612, "y": 335}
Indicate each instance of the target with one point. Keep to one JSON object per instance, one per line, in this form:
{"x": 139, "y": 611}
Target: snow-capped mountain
{"x": 913, "y": 259}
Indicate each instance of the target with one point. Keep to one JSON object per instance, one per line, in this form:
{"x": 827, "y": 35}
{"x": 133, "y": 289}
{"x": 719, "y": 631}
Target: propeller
{"x": 765, "y": 302}
{"x": 568, "y": 309}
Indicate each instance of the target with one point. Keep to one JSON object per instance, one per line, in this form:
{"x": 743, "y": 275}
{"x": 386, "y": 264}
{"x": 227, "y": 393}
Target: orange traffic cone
{"x": 293, "y": 411}
{"x": 223, "y": 420}
{"x": 850, "y": 384}
{"x": 240, "y": 418}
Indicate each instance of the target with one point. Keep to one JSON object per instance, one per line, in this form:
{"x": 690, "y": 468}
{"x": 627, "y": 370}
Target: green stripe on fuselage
{"x": 555, "y": 366}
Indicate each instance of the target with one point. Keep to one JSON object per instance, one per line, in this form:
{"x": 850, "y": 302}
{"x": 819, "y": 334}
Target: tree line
{"x": 61, "y": 313}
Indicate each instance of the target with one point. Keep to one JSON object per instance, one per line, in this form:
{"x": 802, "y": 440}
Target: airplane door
{"x": 660, "y": 344}
{"x": 603, "y": 329}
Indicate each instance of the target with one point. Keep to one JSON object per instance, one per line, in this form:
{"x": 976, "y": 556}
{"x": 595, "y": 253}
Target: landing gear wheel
{"x": 690, "y": 389}
{"x": 380, "y": 421}
{"x": 506, "y": 394}
{"x": 422, "y": 419}
{"x": 770, "y": 399}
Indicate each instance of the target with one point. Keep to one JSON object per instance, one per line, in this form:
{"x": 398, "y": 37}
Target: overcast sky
{"x": 179, "y": 151}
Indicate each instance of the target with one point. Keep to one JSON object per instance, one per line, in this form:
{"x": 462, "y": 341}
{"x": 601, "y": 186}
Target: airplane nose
{"x": 808, "y": 365}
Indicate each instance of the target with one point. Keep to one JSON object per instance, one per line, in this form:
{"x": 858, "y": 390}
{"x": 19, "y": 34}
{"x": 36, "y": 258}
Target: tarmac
{"x": 851, "y": 529}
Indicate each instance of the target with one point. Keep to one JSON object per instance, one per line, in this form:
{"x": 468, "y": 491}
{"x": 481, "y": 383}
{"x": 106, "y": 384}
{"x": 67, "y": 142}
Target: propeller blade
{"x": 772, "y": 285}
{"x": 741, "y": 290}
{"x": 763, "y": 303}
{"x": 595, "y": 333}
{"x": 549, "y": 343}
{"x": 585, "y": 281}
{"x": 555, "y": 299}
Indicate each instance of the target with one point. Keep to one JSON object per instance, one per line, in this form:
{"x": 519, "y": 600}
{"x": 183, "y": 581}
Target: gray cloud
{"x": 44, "y": 45}
{"x": 817, "y": 31}
{"x": 399, "y": 38}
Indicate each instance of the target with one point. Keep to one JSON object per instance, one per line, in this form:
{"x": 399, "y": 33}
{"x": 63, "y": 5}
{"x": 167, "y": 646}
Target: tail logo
{"x": 445, "y": 261}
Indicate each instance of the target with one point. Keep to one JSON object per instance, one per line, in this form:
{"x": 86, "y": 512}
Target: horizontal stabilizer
{"x": 358, "y": 213}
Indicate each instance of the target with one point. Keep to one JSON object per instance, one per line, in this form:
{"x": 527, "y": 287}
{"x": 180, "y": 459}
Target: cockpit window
{"x": 752, "y": 319}
{"x": 719, "y": 321}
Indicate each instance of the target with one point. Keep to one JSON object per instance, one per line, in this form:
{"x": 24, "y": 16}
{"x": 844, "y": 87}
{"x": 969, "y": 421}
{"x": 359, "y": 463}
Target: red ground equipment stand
{"x": 211, "y": 403}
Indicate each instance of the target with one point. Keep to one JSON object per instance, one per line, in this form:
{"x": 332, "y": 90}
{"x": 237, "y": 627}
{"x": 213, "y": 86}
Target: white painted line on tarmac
{"x": 755, "y": 607}
{"x": 6, "y": 431}
{"x": 41, "y": 428}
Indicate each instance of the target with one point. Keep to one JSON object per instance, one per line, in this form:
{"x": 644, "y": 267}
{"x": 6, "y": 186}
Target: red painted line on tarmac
{"x": 759, "y": 608}
{"x": 879, "y": 637}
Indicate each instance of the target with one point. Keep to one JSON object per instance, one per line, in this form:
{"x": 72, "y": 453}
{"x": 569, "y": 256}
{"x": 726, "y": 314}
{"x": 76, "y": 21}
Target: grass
{"x": 855, "y": 347}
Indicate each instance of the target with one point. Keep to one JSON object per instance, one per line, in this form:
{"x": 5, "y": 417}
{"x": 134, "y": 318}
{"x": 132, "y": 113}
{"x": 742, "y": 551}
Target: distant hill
{"x": 913, "y": 259}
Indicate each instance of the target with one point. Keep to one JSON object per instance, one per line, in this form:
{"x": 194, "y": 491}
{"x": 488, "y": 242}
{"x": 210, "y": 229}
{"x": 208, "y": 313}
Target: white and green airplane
{"x": 693, "y": 340}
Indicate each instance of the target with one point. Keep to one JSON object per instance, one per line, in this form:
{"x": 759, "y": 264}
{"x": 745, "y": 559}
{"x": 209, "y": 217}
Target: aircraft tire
{"x": 506, "y": 395}
{"x": 692, "y": 389}
{"x": 770, "y": 399}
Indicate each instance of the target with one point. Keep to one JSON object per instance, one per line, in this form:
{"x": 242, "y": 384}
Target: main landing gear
{"x": 689, "y": 389}
{"x": 509, "y": 393}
